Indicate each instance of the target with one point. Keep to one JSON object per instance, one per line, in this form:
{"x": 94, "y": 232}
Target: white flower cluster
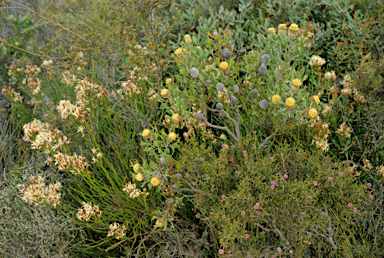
{"x": 133, "y": 191}
{"x": 316, "y": 61}
{"x": 87, "y": 211}
{"x": 116, "y": 230}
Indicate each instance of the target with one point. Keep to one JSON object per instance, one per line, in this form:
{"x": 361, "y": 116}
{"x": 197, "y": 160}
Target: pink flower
{"x": 273, "y": 182}
{"x": 380, "y": 65}
{"x": 193, "y": 183}
{"x": 186, "y": 175}
{"x": 272, "y": 186}
{"x": 271, "y": 158}
{"x": 243, "y": 213}
{"x": 357, "y": 69}
{"x": 270, "y": 169}
{"x": 256, "y": 206}
{"x": 340, "y": 173}
{"x": 246, "y": 236}
{"x": 291, "y": 251}
{"x": 363, "y": 72}
{"x": 329, "y": 178}
{"x": 282, "y": 179}
{"x": 55, "y": 118}
{"x": 258, "y": 212}
{"x": 267, "y": 255}
{"x": 315, "y": 183}
{"x": 285, "y": 176}
{"x": 369, "y": 185}
{"x": 224, "y": 145}
{"x": 371, "y": 196}
{"x": 279, "y": 250}
{"x": 354, "y": 209}
{"x": 221, "y": 251}
{"x": 45, "y": 115}
{"x": 349, "y": 205}
{"x": 223, "y": 196}
{"x": 309, "y": 235}
{"x": 254, "y": 131}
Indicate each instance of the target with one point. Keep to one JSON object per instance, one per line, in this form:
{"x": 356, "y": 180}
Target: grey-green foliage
{"x": 28, "y": 230}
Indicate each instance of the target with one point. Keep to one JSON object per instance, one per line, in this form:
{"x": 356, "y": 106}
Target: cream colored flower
{"x": 88, "y": 211}
{"x": 116, "y": 231}
{"x": 344, "y": 130}
{"x": 316, "y": 61}
{"x": 330, "y": 76}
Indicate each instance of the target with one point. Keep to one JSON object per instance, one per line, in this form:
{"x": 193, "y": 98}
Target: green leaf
{"x": 183, "y": 71}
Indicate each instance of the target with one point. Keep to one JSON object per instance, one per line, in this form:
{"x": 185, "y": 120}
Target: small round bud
{"x": 236, "y": 89}
{"x": 219, "y": 86}
{"x": 194, "y": 73}
{"x": 263, "y": 104}
{"x": 179, "y": 176}
{"x": 208, "y": 82}
{"x": 233, "y": 100}
{"x": 198, "y": 90}
{"x": 160, "y": 223}
{"x": 265, "y": 59}
{"x": 252, "y": 93}
{"x": 169, "y": 81}
{"x": 199, "y": 117}
{"x": 215, "y": 34}
{"x": 262, "y": 70}
{"x": 163, "y": 161}
{"x": 225, "y": 52}
{"x": 222, "y": 112}
{"x": 219, "y": 106}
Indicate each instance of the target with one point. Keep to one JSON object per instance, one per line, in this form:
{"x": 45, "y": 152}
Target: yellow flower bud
{"x": 290, "y": 103}
{"x": 178, "y": 51}
{"x": 224, "y": 66}
{"x": 176, "y": 117}
{"x": 147, "y": 133}
{"x": 169, "y": 81}
{"x": 282, "y": 28}
{"x": 136, "y": 167}
{"x": 160, "y": 223}
{"x": 272, "y": 31}
{"x": 275, "y": 99}
{"x": 315, "y": 99}
{"x": 295, "y": 84}
{"x": 165, "y": 93}
{"x": 294, "y": 27}
{"x": 155, "y": 181}
{"x": 187, "y": 38}
{"x": 16, "y": 44}
{"x": 139, "y": 177}
{"x": 311, "y": 112}
{"x": 172, "y": 136}
{"x": 293, "y": 30}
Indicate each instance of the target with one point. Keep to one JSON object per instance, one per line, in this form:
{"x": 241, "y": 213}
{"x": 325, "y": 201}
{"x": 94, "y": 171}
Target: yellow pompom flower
{"x": 16, "y": 44}
{"x": 178, "y": 51}
{"x": 293, "y": 30}
{"x": 290, "y": 103}
{"x": 169, "y": 81}
{"x": 147, "y": 133}
{"x": 172, "y": 136}
{"x": 311, "y": 112}
{"x": 275, "y": 99}
{"x": 315, "y": 99}
{"x": 224, "y": 66}
{"x": 155, "y": 181}
{"x": 187, "y": 38}
{"x": 176, "y": 117}
{"x": 165, "y": 93}
{"x": 160, "y": 223}
{"x": 136, "y": 167}
{"x": 139, "y": 177}
{"x": 294, "y": 27}
{"x": 282, "y": 28}
{"x": 295, "y": 84}
{"x": 272, "y": 31}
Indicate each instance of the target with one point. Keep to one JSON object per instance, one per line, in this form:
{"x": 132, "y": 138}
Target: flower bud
{"x": 179, "y": 176}
{"x": 163, "y": 161}
{"x": 262, "y": 70}
{"x": 219, "y": 106}
{"x": 165, "y": 93}
{"x": 199, "y": 117}
{"x": 233, "y": 100}
{"x": 252, "y": 93}
{"x": 136, "y": 167}
{"x": 194, "y": 73}
{"x": 160, "y": 223}
{"x": 263, "y": 104}
{"x": 208, "y": 82}
{"x": 187, "y": 38}
{"x": 236, "y": 89}
{"x": 222, "y": 113}
{"x": 169, "y": 81}
{"x": 272, "y": 31}
{"x": 215, "y": 34}
{"x": 219, "y": 86}
{"x": 265, "y": 59}
{"x": 147, "y": 133}
{"x": 225, "y": 52}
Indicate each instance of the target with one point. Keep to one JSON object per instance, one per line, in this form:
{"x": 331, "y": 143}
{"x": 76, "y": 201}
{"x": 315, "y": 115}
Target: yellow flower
{"x": 290, "y": 103}
{"x": 172, "y": 136}
{"x": 160, "y": 223}
{"x": 147, "y": 133}
{"x": 311, "y": 112}
{"x": 136, "y": 167}
{"x": 187, "y": 38}
{"x": 198, "y": 47}
{"x": 178, "y": 51}
{"x": 155, "y": 181}
{"x": 294, "y": 27}
{"x": 169, "y": 81}
{"x": 275, "y": 99}
{"x": 282, "y": 28}
{"x": 176, "y": 117}
{"x": 16, "y": 44}
{"x": 272, "y": 31}
{"x": 295, "y": 84}
{"x": 165, "y": 93}
{"x": 315, "y": 99}
{"x": 223, "y": 66}
{"x": 139, "y": 177}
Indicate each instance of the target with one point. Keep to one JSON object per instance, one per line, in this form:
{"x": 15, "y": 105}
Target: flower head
{"x": 155, "y": 181}
{"x": 147, "y": 133}
{"x": 354, "y": 209}
{"x": 272, "y": 31}
{"x": 169, "y": 81}
{"x": 311, "y": 112}
{"x": 176, "y": 117}
{"x": 293, "y": 30}
{"x": 329, "y": 178}
{"x": 295, "y": 84}
{"x": 172, "y": 136}
{"x": 139, "y": 177}
{"x": 187, "y": 38}
{"x": 178, "y": 51}
{"x": 165, "y": 93}
{"x": 315, "y": 99}
{"x": 136, "y": 167}
{"x": 246, "y": 236}
{"x": 350, "y": 205}
{"x": 275, "y": 99}
{"x": 223, "y": 66}
{"x": 243, "y": 213}
{"x": 279, "y": 250}
{"x": 314, "y": 183}
{"x": 221, "y": 251}
{"x": 282, "y": 28}
{"x": 290, "y": 103}
{"x": 160, "y": 223}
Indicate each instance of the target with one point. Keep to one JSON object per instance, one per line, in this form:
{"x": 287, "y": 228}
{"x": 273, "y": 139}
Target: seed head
{"x": 265, "y": 59}
{"x": 263, "y": 104}
{"x": 179, "y": 176}
{"x": 252, "y": 93}
{"x": 163, "y": 161}
{"x": 219, "y": 106}
{"x": 225, "y": 52}
{"x": 233, "y": 100}
{"x": 236, "y": 89}
{"x": 219, "y": 86}
{"x": 199, "y": 117}
{"x": 215, "y": 34}
{"x": 262, "y": 70}
{"x": 194, "y": 73}
{"x": 208, "y": 82}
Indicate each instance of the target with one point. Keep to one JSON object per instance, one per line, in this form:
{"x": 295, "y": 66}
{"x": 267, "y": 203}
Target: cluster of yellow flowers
{"x": 44, "y": 135}
{"x": 116, "y": 231}
{"x": 87, "y": 211}
{"x": 293, "y": 30}
{"x": 37, "y": 193}
{"x": 155, "y": 181}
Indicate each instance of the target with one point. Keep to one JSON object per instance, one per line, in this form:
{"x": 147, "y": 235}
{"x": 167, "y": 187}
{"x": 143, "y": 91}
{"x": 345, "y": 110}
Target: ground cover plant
{"x": 237, "y": 137}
